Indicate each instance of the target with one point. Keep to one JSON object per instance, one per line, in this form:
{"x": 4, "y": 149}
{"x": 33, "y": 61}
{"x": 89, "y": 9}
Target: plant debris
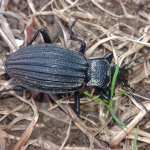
{"x": 32, "y": 120}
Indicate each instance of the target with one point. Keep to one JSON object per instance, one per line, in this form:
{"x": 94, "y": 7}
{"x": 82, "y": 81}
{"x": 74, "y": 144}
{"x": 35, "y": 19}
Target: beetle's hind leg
{"x": 77, "y": 102}
{"x": 83, "y": 44}
{"x": 13, "y": 88}
{"x": 44, "y": 35}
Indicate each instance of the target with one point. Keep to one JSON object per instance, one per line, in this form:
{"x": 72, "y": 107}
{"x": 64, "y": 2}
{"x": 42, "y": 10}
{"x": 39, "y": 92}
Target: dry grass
{"x": 120, "y": 26}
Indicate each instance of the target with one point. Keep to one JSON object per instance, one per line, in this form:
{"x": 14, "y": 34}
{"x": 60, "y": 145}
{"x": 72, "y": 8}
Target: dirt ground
{"x": 32, "y": 120}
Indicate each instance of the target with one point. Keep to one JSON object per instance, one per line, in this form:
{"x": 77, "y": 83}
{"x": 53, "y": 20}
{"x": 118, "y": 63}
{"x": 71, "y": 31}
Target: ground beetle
{"x": 50, "y": 68}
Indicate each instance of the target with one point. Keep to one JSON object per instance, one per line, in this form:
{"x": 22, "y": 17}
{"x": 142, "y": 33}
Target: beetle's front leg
{"x": 77, "y": 102}
{"x": 83, "y": 44}
{"x": 44, "y": 35}
{"x": 103, "y": 93}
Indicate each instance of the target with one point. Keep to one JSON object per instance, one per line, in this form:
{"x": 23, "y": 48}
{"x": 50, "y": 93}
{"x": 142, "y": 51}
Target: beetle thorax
{"x": 99, "y": 73}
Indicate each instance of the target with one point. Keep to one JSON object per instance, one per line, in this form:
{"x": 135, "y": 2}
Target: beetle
{"x": 51, "y": 68}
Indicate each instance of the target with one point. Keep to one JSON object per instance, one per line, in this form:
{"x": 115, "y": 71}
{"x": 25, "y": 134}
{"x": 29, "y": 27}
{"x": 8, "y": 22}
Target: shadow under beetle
{"x": 50, "y": 68}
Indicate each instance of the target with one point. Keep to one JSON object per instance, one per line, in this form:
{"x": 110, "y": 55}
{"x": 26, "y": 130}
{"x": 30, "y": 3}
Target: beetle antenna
{"x": 133, "y": 61}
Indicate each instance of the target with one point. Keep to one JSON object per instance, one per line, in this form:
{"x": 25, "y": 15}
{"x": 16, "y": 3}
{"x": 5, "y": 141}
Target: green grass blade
{"x": 135, "y": 139}
{"x": 100, "y": 100}
{"x": 121, "y": 93}
{"x": 114, "y": 116}
{"x": 113, "y": 85}
{"x": 112, "y": 92}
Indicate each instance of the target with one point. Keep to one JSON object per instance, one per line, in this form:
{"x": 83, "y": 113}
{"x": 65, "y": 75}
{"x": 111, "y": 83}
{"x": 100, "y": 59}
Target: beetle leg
{"x": 83, "y": 44}
{"x": 109, "y": 57}
{"x": 132, "y": 94}
{"x": 129, "y": 87}
{"x": 13, "y": 88}
{"x": 103, "y": 93}
{"x": 124, "y": 85}
{"x": 77, "y": 102}
{"x": 44, "y": 35}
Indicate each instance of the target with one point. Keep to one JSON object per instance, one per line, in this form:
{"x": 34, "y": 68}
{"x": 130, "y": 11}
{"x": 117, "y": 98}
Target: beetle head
{"x": 123, "y": 71}
{"x": 122, "y": 74}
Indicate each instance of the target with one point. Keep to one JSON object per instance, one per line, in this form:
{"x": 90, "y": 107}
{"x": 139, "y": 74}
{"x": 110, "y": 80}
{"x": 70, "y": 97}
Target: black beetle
{"x": 50, "y": 68}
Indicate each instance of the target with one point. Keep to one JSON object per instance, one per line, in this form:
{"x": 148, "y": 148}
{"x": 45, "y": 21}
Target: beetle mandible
{"x": 50, "y": 68}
